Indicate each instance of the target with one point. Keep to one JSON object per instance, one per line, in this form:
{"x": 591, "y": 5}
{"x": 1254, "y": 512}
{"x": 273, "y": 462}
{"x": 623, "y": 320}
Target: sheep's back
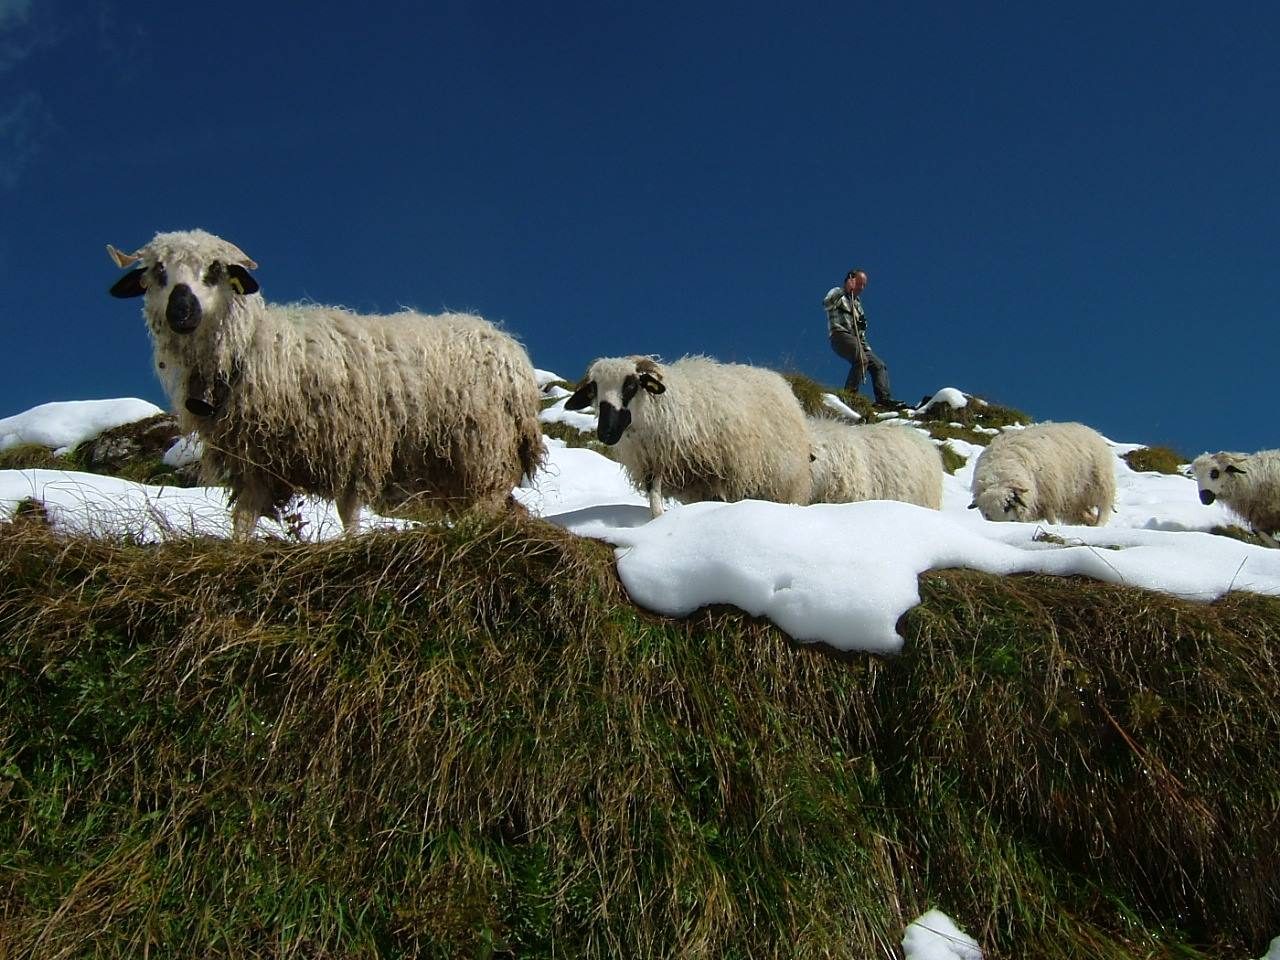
{"x": 389, "y": 406}
{"x": 874, "y": 462}
{"x": 1067, "y": 466}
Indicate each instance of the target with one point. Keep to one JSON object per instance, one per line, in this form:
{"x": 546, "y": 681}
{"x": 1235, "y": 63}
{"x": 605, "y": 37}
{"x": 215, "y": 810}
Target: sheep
{"x": 1059, "y": 472}
{"x": 883, "y": 461}
{"x": 1248, "y": 483}
{"x": 696, "y": 429}
{"x": 317, "y": 399}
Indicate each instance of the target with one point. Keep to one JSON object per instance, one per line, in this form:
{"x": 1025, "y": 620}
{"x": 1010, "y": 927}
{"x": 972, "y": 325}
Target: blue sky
{"x": 1075, "y": 212}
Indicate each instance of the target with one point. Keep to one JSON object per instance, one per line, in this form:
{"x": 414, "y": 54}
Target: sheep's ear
{"x": 1232, "y": 468}
{"x": 973, "y": 506}
{"x": 241, "y": 279}
{"x": 121, "y": 258}
{"x": 130, "y": 285}
{"x": 652, "y": 384}
{"x": 584, "y": 396}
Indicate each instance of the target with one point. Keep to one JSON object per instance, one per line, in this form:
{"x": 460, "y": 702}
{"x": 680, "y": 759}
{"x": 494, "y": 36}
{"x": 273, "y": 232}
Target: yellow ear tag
{"x": 235, "y": 285}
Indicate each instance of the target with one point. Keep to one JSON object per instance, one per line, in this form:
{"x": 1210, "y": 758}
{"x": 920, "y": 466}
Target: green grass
{"x": 951, "y": 461}
{"x": 34, "y": 456}
{"x": 573, "y": 437}
{"x": 1155, "y": 459}
{"x": 808, "y": 391}
{"x": 465, "y": 741}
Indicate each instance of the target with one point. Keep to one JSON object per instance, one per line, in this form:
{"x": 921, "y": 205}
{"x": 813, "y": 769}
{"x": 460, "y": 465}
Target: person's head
{"x": 855, "y": 281}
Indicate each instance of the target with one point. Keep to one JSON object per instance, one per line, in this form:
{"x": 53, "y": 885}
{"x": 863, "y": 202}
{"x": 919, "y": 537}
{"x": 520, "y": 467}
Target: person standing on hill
{"x": 847, "y": 328}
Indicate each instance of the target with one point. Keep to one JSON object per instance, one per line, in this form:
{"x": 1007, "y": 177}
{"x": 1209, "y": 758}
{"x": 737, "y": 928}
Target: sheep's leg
{"x": 244, "y": 520}
{"x": 349, "y": 513}
{"x": 251, "y": 502}
{"x": 654, "y": 488}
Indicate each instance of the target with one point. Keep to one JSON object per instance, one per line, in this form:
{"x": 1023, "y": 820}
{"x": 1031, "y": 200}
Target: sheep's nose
{"x": 612, "y": 423}
{"x": 1207, "y": 497}
{"x": 183, "y": 311}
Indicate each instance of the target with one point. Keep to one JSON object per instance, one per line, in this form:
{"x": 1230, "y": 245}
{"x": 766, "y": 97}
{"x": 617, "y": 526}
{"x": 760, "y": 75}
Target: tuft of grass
{"x": 859, "y": 403}
{"x": 31, "y": 510}
{"x": 951, "y": 461}
{"x": 463, "y": 740}
{"x": 808, "y": 391}
{"x": 33, "y": 456}
{"x": 977, "y": 413}
{"x": 1155, "y": 460}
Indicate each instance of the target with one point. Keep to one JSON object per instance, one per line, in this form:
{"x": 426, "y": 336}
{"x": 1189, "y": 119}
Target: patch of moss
{"x": 1155, "y": 460}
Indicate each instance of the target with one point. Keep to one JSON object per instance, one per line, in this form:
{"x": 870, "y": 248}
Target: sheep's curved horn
{"x": 121, "y": 258}
{"x": 646, "y": 365}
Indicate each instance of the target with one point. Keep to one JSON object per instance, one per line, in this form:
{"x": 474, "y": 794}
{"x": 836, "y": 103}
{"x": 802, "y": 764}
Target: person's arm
{"x": 859, "y": 318}
{"x": 836, "y": 318}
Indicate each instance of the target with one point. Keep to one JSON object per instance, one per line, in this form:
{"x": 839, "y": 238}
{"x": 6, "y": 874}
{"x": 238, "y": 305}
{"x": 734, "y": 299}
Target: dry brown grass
{"x": 464, "y": 741}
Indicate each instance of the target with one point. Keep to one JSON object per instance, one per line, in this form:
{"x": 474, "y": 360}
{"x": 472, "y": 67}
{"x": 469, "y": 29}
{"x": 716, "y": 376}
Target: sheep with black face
{"x": 1248, "y": 483}
{"x": 316, "y": 399}
{"x": 697, "y": 430}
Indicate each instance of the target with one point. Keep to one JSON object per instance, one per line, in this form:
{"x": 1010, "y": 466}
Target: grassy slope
{"x": 466, "y": 742}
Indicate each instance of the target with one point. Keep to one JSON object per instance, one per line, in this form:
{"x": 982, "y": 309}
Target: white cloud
{"x": 25, "y": 124}
{"x": 12, "y": 11}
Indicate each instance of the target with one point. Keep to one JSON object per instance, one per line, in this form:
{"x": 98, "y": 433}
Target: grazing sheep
{"x": 700, "y": 430}
{"x": 316, "y": 399}
{"x": 1059, "y": 472}
{"x": 1248, "y": 483}
{"x": 883, "y": 461}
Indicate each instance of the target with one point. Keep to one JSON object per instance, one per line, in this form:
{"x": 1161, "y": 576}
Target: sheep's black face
{"x": 613, "y": 422}
{"x": 183, "y": 311}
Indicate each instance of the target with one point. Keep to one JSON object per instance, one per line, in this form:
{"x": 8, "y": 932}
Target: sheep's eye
{"x": 629, "y": 387}
{"x": 213, "y": 276}
{"x": 158, "y": 278}
{"x": 1214, "y": 474}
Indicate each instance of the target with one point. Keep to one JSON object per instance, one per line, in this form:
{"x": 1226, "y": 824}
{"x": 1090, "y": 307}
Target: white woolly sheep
{"x": 1248, "y": 483}
{"x": 883, "y": 461}
{"x": 316, "y": 399}
{"x": 696, "y": 429}
{"x": 1059, "y": 472}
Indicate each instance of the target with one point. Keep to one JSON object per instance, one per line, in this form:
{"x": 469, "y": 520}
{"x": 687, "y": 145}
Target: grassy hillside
{"x": 466, "y": 742}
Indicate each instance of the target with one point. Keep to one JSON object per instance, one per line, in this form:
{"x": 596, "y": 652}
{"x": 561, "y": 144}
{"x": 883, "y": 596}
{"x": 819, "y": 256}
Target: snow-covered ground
{"x": 841, "y": 574}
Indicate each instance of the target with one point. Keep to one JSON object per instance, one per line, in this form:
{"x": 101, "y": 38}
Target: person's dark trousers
{"x": 851, "y": 348}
